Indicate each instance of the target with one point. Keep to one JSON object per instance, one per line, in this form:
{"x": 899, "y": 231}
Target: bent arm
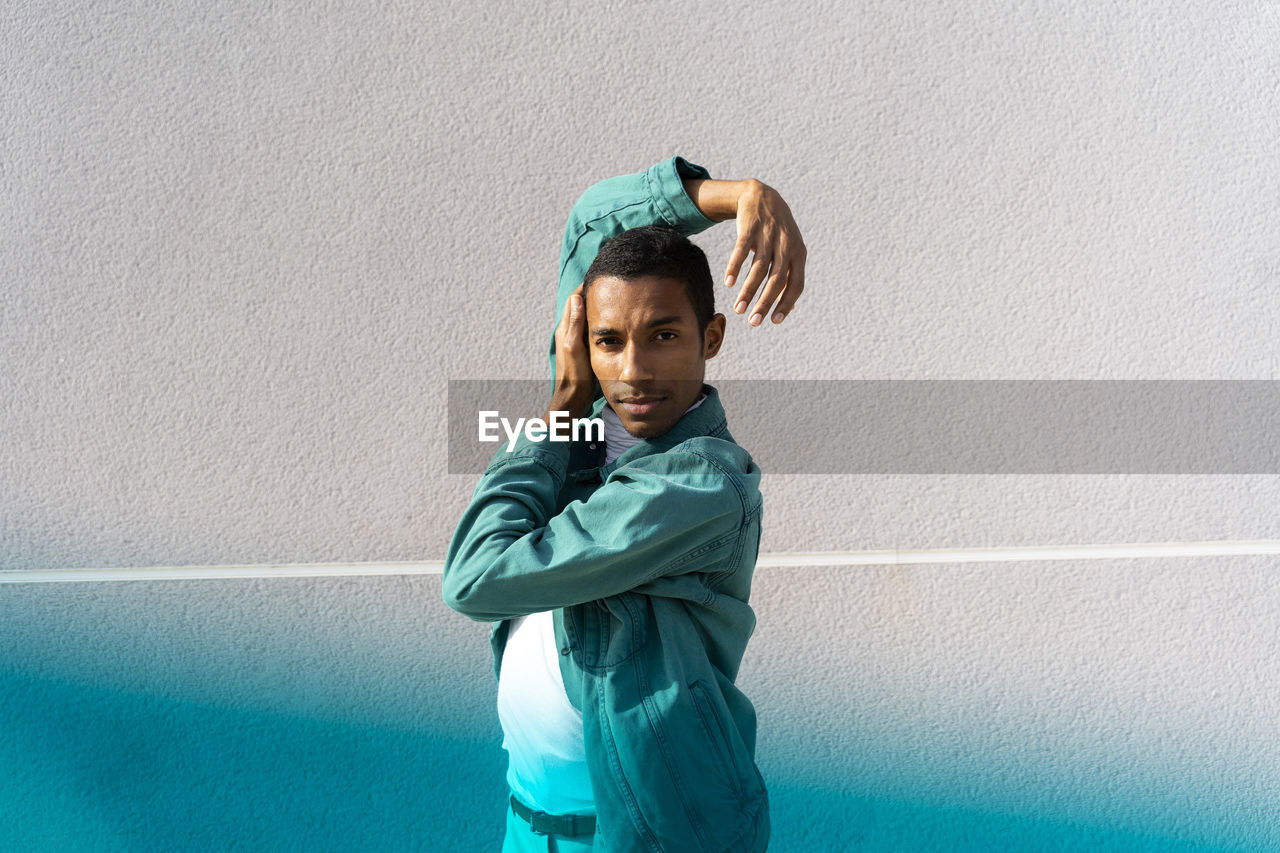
{"x": 512, "y": 554}
{"x": 656, "y": 196}
{"x": 683, "y": 196}
{"x": 718, "y": 200}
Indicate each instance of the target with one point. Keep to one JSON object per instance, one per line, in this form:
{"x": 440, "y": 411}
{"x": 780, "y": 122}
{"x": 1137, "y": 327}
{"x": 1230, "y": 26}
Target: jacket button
{"x": 592, "y": 446}
{"x": 565, "y": 650}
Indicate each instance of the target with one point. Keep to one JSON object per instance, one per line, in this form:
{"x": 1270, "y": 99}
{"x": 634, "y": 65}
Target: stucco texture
{"x": 246, "y": 246}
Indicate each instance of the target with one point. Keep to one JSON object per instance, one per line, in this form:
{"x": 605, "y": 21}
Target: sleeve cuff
{"x": 669, "y": 198}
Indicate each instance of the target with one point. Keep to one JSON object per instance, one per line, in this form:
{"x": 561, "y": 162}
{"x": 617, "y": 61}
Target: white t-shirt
{"x": 541, "y": 730}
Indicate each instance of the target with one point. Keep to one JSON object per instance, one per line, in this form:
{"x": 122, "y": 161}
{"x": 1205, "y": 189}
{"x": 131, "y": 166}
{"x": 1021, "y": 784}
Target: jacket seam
{"x": 624, "y": 786}
{"x": 716, "y": 729}
{"x": 731, "y": 476}
{"x": 586, "y": 223}
{"x": 751, "y": 828}
{"x": 660, "y": 202}
{"x": 701, "y": 550}
{"x": 659, "y": 735}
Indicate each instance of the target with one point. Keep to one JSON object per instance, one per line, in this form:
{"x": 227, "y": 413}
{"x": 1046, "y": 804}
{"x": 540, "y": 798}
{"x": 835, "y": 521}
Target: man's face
{"x": 646, "y": 351}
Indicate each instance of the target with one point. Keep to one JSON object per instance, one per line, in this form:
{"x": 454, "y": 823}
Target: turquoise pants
{"x": 521, "y": 838}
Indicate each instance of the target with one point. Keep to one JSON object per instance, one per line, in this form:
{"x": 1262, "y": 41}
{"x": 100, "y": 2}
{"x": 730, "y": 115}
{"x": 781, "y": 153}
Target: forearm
{"x": 512, "y": 553}
{"x": 718, "y": 200}
{"x": 514, "y": 499}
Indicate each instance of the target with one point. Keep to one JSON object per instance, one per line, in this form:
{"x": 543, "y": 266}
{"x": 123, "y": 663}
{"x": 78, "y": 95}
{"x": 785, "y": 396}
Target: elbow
{"x": 452, "y": 596}
{"x": 466, "y": 605}
{"x": 599, "y": 199}
{"x": 459, "y": 592}
{"x": 455, "y": 592}
{"x": 462, "y": 574}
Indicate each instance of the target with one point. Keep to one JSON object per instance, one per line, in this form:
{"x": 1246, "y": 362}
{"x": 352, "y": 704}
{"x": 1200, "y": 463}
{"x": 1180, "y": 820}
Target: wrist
{"x": 719, "y": 200}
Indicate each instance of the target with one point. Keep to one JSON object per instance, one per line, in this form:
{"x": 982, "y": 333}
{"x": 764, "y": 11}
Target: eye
{"x": 606, "y": 342}
{"x": 672, "y": 336}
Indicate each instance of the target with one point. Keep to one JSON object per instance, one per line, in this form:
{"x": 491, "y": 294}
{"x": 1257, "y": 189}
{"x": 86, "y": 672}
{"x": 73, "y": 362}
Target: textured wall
{"x": 245, "y": 246}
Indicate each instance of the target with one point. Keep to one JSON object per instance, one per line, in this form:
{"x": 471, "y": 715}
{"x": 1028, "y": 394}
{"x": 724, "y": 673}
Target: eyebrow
{"x": 673, "y": 320}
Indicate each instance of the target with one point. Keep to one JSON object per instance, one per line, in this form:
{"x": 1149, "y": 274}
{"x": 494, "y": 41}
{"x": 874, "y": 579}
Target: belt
{"x": 568, "y": 825}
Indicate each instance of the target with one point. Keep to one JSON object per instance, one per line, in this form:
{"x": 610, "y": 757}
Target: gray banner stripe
{"x": 815, "y": 426}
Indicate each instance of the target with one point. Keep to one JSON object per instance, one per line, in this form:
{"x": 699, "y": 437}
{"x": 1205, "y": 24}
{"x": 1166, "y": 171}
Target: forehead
{"x": 620, "y": 302}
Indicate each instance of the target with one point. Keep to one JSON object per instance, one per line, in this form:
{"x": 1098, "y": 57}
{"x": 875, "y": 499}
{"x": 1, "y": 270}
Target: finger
{"x": 574, "y": 332}
{"x": 579, "y": 301}
{"x": 795, "y": 286}
{"x": 566, "y": 312}
{"x": 736, "y": 257}
{"x": 568, "y": 303}
{"x": 759, "y": 268}
{"x": 792, "y": 292}
{"x": 773, "y": 288}
{"x": 564, "y": 328}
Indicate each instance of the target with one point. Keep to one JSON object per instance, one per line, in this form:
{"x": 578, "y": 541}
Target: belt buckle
{"x": 554, "y": 824}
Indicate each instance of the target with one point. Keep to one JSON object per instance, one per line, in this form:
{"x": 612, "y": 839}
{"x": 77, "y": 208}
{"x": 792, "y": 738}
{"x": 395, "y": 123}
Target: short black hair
{"x": 660, "y": 251}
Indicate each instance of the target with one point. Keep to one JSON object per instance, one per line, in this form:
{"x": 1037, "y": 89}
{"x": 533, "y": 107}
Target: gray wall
{"x": 245, "y": 246}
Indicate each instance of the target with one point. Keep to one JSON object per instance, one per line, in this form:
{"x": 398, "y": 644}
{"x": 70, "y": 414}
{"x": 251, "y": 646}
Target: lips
{"x": 641, "y": 405}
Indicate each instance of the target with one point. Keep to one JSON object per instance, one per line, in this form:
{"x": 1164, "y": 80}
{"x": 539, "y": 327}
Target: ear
{"x": 713, "y": 337}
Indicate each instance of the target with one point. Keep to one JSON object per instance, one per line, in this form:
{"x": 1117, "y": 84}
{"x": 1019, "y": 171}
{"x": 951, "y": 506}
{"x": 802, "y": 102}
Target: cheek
{"x": 684, "y": 362}
{"x": 599, "y": 365}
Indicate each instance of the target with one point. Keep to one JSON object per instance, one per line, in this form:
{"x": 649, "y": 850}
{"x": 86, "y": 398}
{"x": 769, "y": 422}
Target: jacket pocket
{"x": 609, "y": 632}
{"x": 720, "y": 737}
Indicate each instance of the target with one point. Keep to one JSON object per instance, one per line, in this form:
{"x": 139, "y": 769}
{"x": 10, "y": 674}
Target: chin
{"x": 646, "y": 429}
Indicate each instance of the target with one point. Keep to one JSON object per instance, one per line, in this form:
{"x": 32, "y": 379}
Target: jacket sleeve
{"x": 652, "y": 197}
{"x": 512, "y": 554}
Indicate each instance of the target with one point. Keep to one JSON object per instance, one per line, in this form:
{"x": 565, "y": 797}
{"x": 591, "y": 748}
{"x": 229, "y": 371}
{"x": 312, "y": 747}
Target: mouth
{"x": 641, "y": 405}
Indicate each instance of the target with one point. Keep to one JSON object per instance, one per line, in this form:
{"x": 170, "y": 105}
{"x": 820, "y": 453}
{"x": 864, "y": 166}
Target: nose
{"x": 634, "y": 369}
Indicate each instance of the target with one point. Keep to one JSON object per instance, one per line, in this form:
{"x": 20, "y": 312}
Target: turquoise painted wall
{"x": 358, "y": 714}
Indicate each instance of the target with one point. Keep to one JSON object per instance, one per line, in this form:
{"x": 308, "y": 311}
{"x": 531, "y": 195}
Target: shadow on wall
{"x": 90, "y": 769}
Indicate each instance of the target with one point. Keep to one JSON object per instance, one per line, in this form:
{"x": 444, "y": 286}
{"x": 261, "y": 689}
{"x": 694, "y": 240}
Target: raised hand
{"x": 575, "y": 381}
{"x": 768, "y": 231}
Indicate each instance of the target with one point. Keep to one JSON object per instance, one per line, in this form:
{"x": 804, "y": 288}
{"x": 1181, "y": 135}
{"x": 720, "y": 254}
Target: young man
{"x": 617, "y": 573}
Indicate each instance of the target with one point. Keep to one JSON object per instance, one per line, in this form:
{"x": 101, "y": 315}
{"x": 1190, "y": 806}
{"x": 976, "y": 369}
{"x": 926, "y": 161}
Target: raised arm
{"x": 683, "y": 195}
{"x": 766, "y": 229}
{"x": 655, "y": 196}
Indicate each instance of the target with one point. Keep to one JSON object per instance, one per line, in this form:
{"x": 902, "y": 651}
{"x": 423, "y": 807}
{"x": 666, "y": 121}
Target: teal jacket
{"x": 646, "y": 564}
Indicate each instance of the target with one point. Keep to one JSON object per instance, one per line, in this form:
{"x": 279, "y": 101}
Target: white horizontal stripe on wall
{"x": 1032, "y": 554}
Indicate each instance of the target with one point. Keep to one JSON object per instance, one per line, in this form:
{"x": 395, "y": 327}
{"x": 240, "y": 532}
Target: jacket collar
{"x": 707, "y": 419}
